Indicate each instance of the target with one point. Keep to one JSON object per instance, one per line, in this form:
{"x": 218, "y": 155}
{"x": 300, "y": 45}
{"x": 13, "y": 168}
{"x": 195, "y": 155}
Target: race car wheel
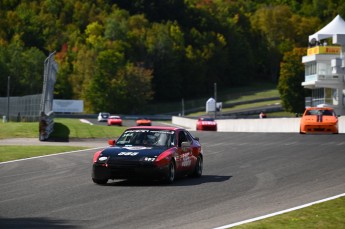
{"x": 198, "y": 168}
{"x": 99, "y": 181}
{"x": 170, "y": 176}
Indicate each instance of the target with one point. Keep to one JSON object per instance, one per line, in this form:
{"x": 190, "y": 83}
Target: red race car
{"x": 206, "y": 123}
{"x": 143, "y": 122}
{"x": 155, "y": 152}
{"x": 114, "y": 120}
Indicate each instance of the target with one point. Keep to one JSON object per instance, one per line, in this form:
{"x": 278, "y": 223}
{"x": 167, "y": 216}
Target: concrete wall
{"x": 279, "y": 125}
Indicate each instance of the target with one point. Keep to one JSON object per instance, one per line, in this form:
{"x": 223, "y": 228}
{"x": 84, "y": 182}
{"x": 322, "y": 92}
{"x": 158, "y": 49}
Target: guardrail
{"x": 46, "y": 125}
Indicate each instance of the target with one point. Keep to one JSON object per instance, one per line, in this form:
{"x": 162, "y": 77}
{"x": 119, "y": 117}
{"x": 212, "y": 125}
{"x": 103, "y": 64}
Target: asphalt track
{"x": 246, "y": 175}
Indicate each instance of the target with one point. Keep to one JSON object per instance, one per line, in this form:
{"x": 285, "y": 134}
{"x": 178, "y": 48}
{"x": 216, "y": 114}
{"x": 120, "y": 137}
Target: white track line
{"x": 49, "y": 155}
{"x": 280, "y": 212}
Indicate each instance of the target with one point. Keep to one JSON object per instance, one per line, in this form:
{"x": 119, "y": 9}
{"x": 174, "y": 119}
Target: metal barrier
{"x": 46, "y": 125}
{"x": 21, "y": 108}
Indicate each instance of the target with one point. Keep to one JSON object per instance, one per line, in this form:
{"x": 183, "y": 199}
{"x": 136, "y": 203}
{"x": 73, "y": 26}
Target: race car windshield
{"x": 320, "y": 112}
{"x": 150, "y": 138}
{"x": 207, "y": 119}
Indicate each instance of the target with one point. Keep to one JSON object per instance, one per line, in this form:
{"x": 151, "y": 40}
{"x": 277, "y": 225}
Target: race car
{"x": 114, "y": 120}
{"x": 143, "y": 122}
{"x": 319, "y": 120}
{"x": 150, "y": 152}
{"x": 206, "y": 123}
{"x": 103, "y": 116}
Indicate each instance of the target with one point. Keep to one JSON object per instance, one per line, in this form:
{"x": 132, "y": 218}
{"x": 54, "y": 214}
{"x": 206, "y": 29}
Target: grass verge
{"x": 9, "y": 153}
{"x": 326, "y": 215}
{"x": 63, "y": 128}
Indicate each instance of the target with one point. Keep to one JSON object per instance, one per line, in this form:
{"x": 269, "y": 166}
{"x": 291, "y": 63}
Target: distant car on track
{"x": 319, "y": 120}
{"x": 103, "y": 116}
{"x": 155, "y": 152}
{"x": 206, "y": 123}
{"x": 114, "y": 120}
{"x": 143, "y": 122}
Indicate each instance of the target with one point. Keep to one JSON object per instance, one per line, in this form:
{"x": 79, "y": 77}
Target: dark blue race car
{"x": 154, "y": 152}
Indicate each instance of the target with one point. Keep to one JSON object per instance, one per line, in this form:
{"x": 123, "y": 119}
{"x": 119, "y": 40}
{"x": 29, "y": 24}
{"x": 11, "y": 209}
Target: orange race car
{"x": 143, "y": 122}
{"x": 319, "y": 120}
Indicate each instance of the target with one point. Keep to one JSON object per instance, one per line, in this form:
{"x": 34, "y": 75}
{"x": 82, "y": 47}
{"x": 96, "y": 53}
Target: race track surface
{"x": 245, "y": 175}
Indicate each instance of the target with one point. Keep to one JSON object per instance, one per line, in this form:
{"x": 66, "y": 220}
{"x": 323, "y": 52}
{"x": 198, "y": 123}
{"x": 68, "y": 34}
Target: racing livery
{"x": 319, "y": 120}
{"x": 143, "y": 122}
{"x": 155, "y": 152}
{"x": 206, "y": 123}
{"x": 114, "y": 120}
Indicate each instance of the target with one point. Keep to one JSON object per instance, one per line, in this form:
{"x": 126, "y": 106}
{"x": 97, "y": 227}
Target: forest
{"x": 120, "y": 55}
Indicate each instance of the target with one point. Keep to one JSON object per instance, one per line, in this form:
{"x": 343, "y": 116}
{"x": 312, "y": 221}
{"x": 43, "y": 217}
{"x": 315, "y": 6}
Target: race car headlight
{"x": 149, "y": 159}
{"x": 102, "y": 159}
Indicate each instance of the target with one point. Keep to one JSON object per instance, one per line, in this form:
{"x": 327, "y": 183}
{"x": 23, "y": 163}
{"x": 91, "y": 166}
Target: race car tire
{"x": 198, "y": 168}
{"x": 170, "y": 176}
{"x": 100, "y": 181}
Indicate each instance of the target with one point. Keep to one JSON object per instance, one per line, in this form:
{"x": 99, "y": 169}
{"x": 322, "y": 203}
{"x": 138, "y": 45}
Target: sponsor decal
{"x": 136, "y": 147}
{"x": 186, "y": 161}
{"x": 128, "y": 153}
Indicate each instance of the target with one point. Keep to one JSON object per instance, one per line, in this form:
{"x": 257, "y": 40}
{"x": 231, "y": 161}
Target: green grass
{"x": 9, "y": 153}
{"x": 255, "y": 91}
{"x": 330, "y": 214}
{"x": 73, "y": 128}
{"x": 63, "y": 128}
{"x": 243, "y": 106}
{"x": 19, "y": 130}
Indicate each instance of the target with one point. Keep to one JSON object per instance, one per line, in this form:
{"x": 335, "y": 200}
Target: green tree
{"x": 164, "y": 45}
{"x": 135, "y": 87}
{"x": 24, "y": 66}
{"x": 99, "y": 92}
{"x": 290, "y": 87}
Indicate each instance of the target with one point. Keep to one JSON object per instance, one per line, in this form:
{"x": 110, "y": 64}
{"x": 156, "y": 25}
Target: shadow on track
{"x": 31, "y": 223}
{"x": 182, "y": 181}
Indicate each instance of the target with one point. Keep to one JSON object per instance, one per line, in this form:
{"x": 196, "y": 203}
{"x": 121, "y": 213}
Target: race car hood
{"x": 132, "y": 152}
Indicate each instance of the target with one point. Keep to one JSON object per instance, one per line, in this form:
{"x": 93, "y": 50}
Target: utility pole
{"x": 8, "y": 98}
{"x": 215, "y": 100}
{"x": 182, "y": 107}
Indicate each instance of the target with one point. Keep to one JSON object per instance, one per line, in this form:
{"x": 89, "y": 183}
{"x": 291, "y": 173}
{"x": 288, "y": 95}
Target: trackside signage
{"x": 68, "y": 106}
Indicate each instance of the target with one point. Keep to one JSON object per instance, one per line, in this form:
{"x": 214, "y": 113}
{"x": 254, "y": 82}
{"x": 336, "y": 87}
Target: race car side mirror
{"x": 197, "y": 138}
{"x": 111, "y": 142}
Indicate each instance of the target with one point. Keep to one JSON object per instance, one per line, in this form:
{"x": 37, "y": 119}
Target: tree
{"x": 164, "y": 45}
{"x": 290, "y": 87}
{"x": 24, "y": 65}
{"x": 134, "y": 83}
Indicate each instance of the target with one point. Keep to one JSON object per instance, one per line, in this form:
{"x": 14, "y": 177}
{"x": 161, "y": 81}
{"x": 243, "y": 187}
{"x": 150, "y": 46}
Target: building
{"x": 325, "y": 66}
